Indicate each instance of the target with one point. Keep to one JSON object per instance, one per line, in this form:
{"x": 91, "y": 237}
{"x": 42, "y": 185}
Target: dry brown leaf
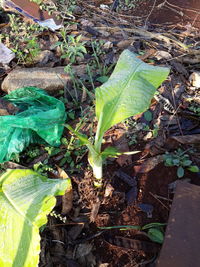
{"x": 122, "y": 145}
{"x": 95, "y": 209}
{"x": 7, "y": 108}
{"x": 187, "y": 139}
{"x": 149, "y": 164}
{"x": 67, "y": 198}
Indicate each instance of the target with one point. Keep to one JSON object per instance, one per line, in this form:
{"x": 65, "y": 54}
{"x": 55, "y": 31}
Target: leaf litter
{"x": 72, "y": 237}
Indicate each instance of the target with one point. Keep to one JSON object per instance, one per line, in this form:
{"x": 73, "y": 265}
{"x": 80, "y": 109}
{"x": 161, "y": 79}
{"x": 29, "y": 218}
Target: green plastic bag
{"x": 40, "y": 117}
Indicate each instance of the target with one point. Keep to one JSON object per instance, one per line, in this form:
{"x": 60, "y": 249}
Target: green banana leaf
{"x": 26, "y": 198}
{"x": 128, "y": 91}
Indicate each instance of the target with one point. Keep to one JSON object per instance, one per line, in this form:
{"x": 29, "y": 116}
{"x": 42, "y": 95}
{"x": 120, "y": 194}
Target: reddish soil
{"x": 170, "y": 12}
{"x": 150, "y": 185}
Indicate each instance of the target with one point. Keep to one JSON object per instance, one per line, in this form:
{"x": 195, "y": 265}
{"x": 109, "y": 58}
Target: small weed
{"x": 194, "y": 107}
{"x": 131, "y": 134}
{"x": 180, "y": 159}
{"x": 42, "y": 168}
{"x": 71, "y": 47}
{"x": 32, "y": 49}
{"x": 22, "y": 39}
{"x": 37, "y": 1}
{"x": 66, "y": 7}
{"x": 128, "y": 4}
{"x": 33, "y": 153}
{"x": 100, "y": 68}
{"x": 15, "y": 158}
{"x": 52, "y": 151}
{"x": 155, "y": 231}
{"x": 133, "y": 128}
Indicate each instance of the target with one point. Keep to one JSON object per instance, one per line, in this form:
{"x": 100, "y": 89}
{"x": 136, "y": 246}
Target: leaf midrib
{"x": 120, "y": 93}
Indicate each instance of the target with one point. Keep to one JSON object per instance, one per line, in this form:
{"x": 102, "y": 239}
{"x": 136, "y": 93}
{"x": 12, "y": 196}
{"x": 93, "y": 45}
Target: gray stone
{"x": 195, "y": 79}
{"x": 50, "y": 79}
{"x": 43, "y": 58}
{"x": 160, "y": 54}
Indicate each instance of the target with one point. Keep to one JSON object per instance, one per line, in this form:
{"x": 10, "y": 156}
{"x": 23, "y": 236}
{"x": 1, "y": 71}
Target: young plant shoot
{"x": 128, "y": 92}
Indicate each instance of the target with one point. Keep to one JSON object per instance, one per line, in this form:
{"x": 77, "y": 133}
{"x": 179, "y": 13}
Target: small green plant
{"x": 96, "y": 65}
{"x": 128, "y": 92}
{"x": 22, "y": 38}
{"x": 180, "y": 159}
{"x": 32, "y": 48}
{"x": 71, "y": 47}
{"x": 128, "y": 4}
{"x": 37, "y": 1}
{"x": 154, "y": 231}
{"x": 195, "y": 108}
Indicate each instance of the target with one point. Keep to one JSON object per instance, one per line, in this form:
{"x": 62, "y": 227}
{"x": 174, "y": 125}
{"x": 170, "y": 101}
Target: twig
{"x": 154, "y": 196}
{"x": 154, "y": 4}
{"x": 176, "y": 110}
{"x": 146, "y": 34}
{"x": 163, "y": 198}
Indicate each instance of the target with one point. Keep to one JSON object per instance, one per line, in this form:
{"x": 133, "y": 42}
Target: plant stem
{"x": 98, "y": 137}
{"x": 96, "y": 163}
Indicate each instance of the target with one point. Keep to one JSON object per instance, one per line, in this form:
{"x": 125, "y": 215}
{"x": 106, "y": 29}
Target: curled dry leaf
{"x": 67, "y": 198}
{"x": 134, "y": 244}
{"x": 187, "y": 139}
{"x": 122, "y": 146}
{"x": 95, "y": 209}
{"x": 149, "y": 164}
{"x": 7, "y": 108}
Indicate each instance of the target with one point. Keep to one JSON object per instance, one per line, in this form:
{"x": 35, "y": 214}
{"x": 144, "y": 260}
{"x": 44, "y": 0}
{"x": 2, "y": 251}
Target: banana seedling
{"x": 128, "y": 92}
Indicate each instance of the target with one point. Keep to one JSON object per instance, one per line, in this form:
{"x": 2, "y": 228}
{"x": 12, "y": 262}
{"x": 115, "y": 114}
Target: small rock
{"x": 163, "y": 55}
{"x": 85, "y": 22}
{"x": 77, "y": 11}
{"x": 83, "y": 250}
{"x": 195, "y": 79}
{"x": 104, "y": 33}
{"x": 104, "y": 7}
{"x": 148, "y": 136}
{"x": 43, "y": 58}
{"x": 50, "y": 79}
{"x": 108, "y": 191}
{"x": 124, "y": 44}
{"x": 108, "y": 45}
{"x": 178, "y": 67}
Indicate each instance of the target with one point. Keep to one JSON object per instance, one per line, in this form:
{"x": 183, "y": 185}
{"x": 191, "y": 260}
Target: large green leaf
{"x": 25, "y": 200}
{"x": 128, "y": 91}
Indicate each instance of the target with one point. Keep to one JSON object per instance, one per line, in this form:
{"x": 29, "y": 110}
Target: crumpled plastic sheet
{"x": 40, "y": 118}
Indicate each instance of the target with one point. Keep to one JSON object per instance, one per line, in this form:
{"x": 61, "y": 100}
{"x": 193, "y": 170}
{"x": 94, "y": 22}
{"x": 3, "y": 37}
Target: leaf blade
{"x": 156, "y": 235}
{"x": 180, "y": 172}
{"x": 25, "y": 199}
{"x": 128, "y": 91}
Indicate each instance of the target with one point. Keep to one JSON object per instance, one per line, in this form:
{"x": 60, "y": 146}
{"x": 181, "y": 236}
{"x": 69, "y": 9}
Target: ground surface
{"x": 137, "y": 189}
